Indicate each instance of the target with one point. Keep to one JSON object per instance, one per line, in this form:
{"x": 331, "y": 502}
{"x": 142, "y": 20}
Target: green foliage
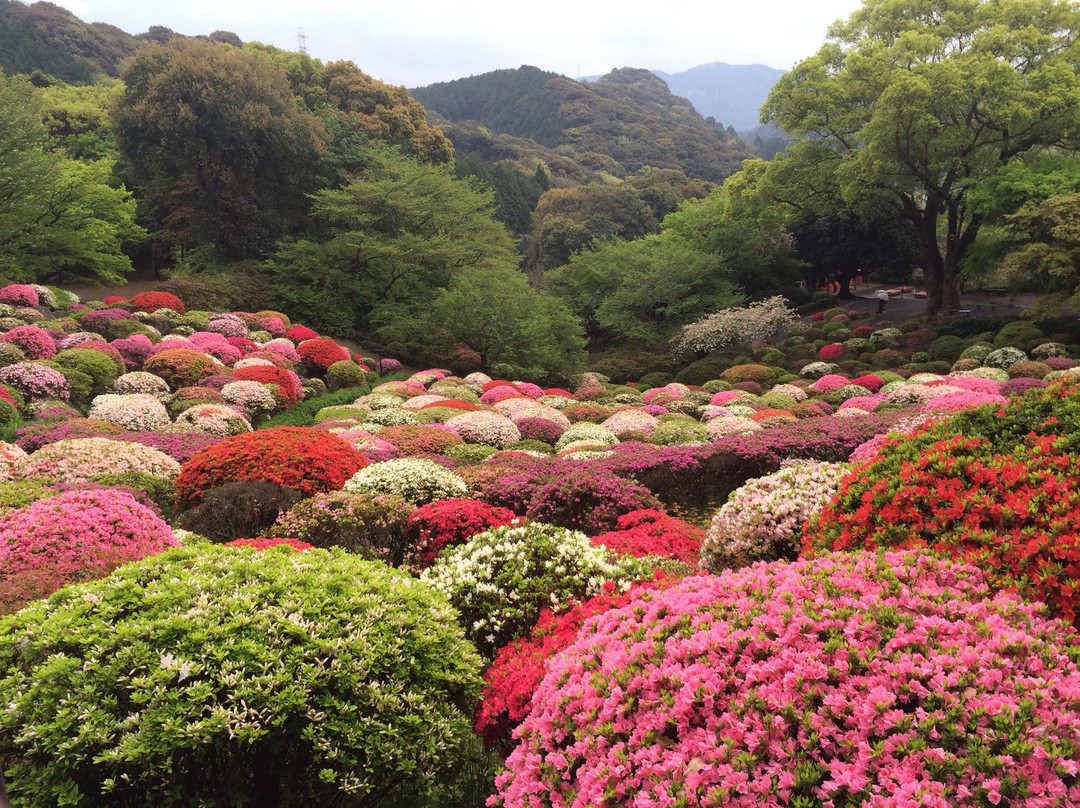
{"x": 99, "y": 366}
{"x": 917, "y": 108}
{"x": 309, "y": 678}
{"x": 213, "y": 138}
{"x": 303, "y": 412}
{"x": 159, "y": 489}
{"x": 1018, "y": 334}
{"x": 515, "y": 193}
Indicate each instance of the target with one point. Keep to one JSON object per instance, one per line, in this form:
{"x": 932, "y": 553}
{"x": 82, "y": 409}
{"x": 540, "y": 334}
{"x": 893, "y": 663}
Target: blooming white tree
{"x": 745, "y": 325}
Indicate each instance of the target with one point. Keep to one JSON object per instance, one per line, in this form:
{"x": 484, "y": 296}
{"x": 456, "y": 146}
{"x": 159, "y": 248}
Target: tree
{"x": 213, "y": 138}
{"x": 58, "y": 217}
{"x": 384, "y": 244}
{"x": 921, "y": 100}
{"x": 494, "y": 311}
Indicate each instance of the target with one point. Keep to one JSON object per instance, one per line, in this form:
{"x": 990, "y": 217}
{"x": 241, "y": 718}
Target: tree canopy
{"x": 922, "y": 100}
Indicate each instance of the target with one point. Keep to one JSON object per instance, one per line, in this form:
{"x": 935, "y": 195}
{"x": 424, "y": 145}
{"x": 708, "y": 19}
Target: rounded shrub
{"x": 1018, "y": 334}
{"x": 372, "y": 525}
{"x": 228, "y": 675}
{"x": 70, "y": 537}
{"x": 72, "y": 460}
{"x": 854, "y": 679}
{"x": 415, "y": 479}
{"x": 588, "y": 499}
{"x": 239, "y": 509}
{"x": 153, "y": 300}
{"x": 448, "y": 523}
{"x": 181, "y": 367}
{"x": 500, "y": 580}
{"x": 309, "y": 460}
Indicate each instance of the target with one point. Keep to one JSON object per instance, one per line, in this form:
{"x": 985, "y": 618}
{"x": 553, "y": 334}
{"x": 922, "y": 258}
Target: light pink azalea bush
{"x": 763, "y": 520}
{"x": 135, "y": 411}
{"x": 35, "y": 381}
{"x": 855, "y": 679}
{"x": 79, "y": 459}
{"x": 213, "y": 419}
{"x": 487, "y": 428}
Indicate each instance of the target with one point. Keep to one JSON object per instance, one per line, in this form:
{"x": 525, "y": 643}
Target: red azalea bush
{"x": 299, "y": 333}
{"x": 286, "y": 381}
{"x": 447, "y": 523}
{"x": 152, "y": 301}
{"x": 181, "y": 367}
{"x": 831, "y": 353}
{"x": 309, "y": 460}
{"x": 75, "y": 536}
{"x": 652, "y": 533}
{"x": 319, "y": 354}
{"x": 518, "y": 668}
{"x": 853, "y": 679}
{"x": 996, "y": 486}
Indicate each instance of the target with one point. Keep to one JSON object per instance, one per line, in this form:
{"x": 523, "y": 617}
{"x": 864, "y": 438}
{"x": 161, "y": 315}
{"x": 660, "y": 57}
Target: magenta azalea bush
{"x": 855, "y": 679}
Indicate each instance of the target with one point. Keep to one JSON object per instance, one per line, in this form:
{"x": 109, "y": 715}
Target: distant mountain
{"x": 48, "y": 38}
{"x": 622, "y": 122}
{"x": 732, "y": 94}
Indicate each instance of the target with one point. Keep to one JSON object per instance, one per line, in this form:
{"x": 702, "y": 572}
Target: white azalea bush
{"x": 414, "y": 479}
{"x": 135, "y": 411}
{"x": 500, "y": 580}
{"x": 763, "y": 520}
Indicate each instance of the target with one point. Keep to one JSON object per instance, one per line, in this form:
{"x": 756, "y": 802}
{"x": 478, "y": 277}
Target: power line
{"x": 301, "y": 40}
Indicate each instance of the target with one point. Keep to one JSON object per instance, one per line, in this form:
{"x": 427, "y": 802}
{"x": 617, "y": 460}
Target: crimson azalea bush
{"x": 154, "y": 300}
{"x": 259, "y": 678}
{"x": 518, "y": 668}
{"x": 997, "y": 486}
{"x": 852, "y": 679}
{"x": 73, "y": 536}
{"x": 309, "y": 460}
{"x": 447, "y": 523}
{"x": 286, "y": 382}
{"x": 319, "y": 354}
{"x": 648, "y": 532}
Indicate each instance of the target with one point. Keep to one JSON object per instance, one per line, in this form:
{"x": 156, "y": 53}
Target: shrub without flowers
{"x": 853, "y": 679}
{"x": 181, "y": 367}
{"x": 763, "y": 520}
{"x": 267, "y": 668}
{"x": 500, "y": 580}
{"x": 238, "y": 509}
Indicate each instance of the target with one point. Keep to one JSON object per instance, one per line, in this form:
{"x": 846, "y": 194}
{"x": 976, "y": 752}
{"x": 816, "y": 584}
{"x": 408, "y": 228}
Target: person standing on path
{"x": 882, "y": 300}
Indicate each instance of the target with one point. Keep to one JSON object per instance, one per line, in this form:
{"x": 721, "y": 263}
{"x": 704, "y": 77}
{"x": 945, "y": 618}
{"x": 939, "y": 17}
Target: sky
{"x": 419, "y": 42}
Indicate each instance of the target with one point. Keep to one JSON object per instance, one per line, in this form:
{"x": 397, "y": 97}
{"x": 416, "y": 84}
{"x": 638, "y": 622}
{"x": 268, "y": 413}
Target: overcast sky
{"x": 418, "y": 42}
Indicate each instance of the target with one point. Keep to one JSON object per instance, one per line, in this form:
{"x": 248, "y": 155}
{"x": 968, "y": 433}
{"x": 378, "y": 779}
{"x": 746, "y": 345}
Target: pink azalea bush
{"x": 78, "y": 459}
{"x": 487, "y": 428}
{"x": 19, "y": 294}
{"x": 77, "y": 535}
{"x": 35, "y": 342}
{"x": 35, "y": 381}
{"x": 855, "y": 679}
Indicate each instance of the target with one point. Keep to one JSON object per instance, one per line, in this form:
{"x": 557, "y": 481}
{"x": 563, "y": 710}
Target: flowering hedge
{"x": 854, "y": 679}
{"x": 269, "y": 690}
{"x": 73, "y": 536}
{"x": 285, "y": 381}
{"x": 500, "y": 580}
{"x": 309, "y": 460}
{"x": 19, "y": 294}
{"x": 36, "y": 381}
{"x": 34, "y": 342}
{"x": 134, "y": 411}
{"x": 447, "y": 523}
{"x": 319, "y": 354}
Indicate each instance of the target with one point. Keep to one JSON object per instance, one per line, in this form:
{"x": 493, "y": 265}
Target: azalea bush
{"x": 134, "y": 411}
{"x": 77, "y": 459}
{"x": 649, "y": 532}
{"x": 268, "y": 693}
{"x": 763, "y": 520}
{"x": 154, "y": 300}
{"x": 36, "y": 381}
{"x": 448, "y": 523}
{"x": 239, "y": 509}
{"x": 588, "y": 499}
{"x": 853, "y": 679}
{"x": 309, "y": 460}
{"x": 371, "y": 525}
{"x": 500, "y": 580}
{"x": 751, "y": 324}
{"x": 70, "y": 537}
{"x": 415, "y": 479}
{"x": 181, "y": 367}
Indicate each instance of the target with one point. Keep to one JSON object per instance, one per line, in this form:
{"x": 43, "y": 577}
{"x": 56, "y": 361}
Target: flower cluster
{"x": 588, "y": 499}
{"x": 736, "y": 326}
{"x": 263, "y": 543}
{"x": 74, "y": 536}
{"x": 487, "y": 428}
{"x": 500, "y": 580}
{"x": 285, "y": 381}
{"x": 309, "y": 460}
{"x": 413, "y": 439}
{"x": 153, "y": 300}
{"x": 77, "y": 459}
{"x": 648, "y": 532}
{"x": 415, "y": 479}
{"x": 763, "y": 520}
{"x": 134, "y": 411}
{"x": 319, "y": 354}
{"x": 35, "y": 381}
{"x": 447, "y": 523}
{"x": 853, "y": 679}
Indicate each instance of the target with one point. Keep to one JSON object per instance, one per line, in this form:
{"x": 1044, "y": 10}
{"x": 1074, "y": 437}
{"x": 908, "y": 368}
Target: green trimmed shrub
{"x": 1018, "y": 334}
{"x": 946, "y": 348}
{"x": 214, "y": 676}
